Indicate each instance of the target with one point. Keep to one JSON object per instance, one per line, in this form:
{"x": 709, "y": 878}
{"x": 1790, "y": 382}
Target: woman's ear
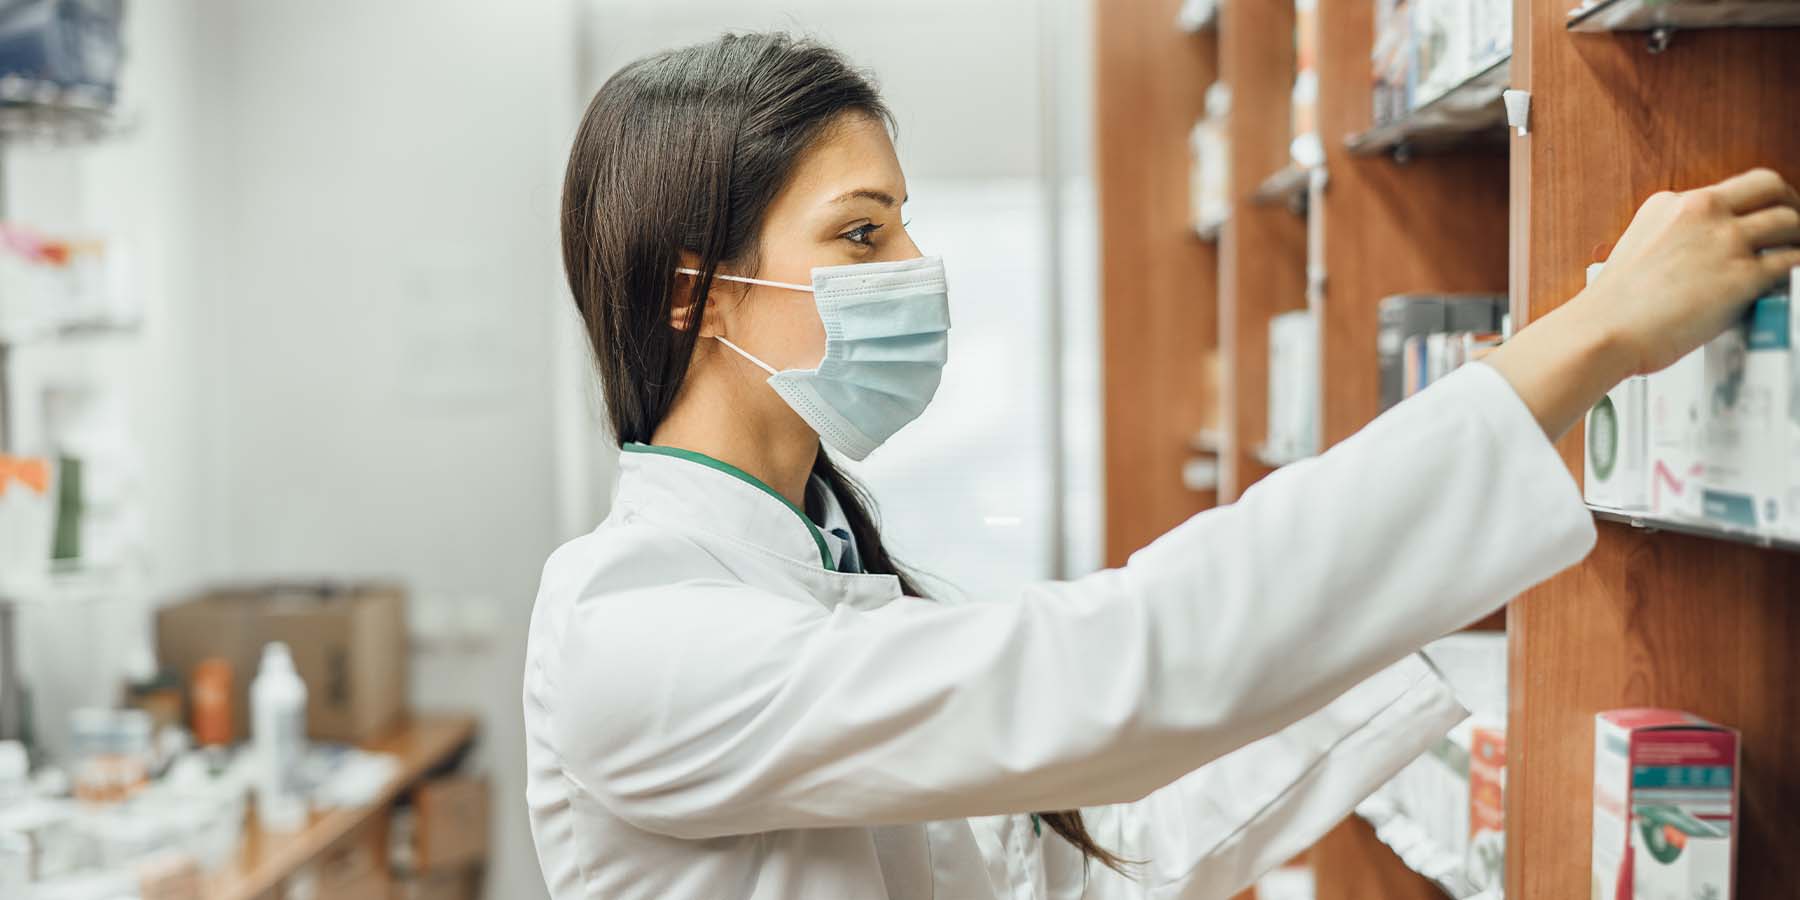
{"x": 684, "y": 299}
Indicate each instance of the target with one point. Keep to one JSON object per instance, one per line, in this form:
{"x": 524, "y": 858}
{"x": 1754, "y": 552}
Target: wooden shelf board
{"x": 1287, "y": 186}
{"x": 1275, "y": 460}
{"x": 1643, "y": 15}
{"x": 267, "y": 858}
{"x": 1717, "y": 532}
{"x": 1207, "y": 440}
{"x": 1469, "y": 114}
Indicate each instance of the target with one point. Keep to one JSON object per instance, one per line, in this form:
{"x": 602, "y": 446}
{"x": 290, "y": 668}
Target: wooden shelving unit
{"x": 1451, "y": 200}
{"x": 1650, "y": 619}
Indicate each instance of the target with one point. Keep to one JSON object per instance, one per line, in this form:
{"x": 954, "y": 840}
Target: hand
{"x": 1682, "y": 272}
{"x": 1689, "y": 264}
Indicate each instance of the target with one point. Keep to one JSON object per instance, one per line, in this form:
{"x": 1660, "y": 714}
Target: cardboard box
{"x": 348, "y": 643}
{"x": 1614, "y": 472}
{"x": 445, "y": 828}
{"x": 1675, "y": 410}
{"x": 459, "y": 885}
{"x": 1748, "y": 373}
{"x": 353, "y": 869}
{"x": 1486, "y": 863}
{"x": 1665, "y": 806}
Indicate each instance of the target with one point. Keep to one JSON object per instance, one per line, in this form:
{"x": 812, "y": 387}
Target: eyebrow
{"x": 882, "y": 197}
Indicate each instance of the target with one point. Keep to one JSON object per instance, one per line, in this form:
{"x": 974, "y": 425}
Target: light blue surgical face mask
{"x": 887, "y": 336}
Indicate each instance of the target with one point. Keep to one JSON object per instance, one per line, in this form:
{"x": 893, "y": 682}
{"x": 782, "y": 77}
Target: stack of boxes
{"x": 1423, "y": 337}
{"x": 1715, "y": 437}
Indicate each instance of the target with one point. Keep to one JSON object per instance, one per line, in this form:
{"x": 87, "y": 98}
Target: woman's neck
{"x": 742, "y": 422}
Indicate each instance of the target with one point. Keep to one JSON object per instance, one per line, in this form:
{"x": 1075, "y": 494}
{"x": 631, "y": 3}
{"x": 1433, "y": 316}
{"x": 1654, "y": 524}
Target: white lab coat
{"x": 711, "y": 713}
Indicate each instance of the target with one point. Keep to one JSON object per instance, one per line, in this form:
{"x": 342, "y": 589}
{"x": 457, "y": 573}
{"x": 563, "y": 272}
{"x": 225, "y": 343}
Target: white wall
{"x": 379, "y": 213}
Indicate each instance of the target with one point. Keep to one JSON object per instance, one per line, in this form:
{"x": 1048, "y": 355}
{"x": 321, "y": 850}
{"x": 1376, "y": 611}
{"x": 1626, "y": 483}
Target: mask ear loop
{"x": 739, "y": 278}
{"x": 745, "y": 354}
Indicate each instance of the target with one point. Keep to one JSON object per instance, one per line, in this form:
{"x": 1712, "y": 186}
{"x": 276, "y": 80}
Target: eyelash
{"x": 860, "y": 234}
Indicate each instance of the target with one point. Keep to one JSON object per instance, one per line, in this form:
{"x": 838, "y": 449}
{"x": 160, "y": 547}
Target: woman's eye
{"x": 860, "y": 234}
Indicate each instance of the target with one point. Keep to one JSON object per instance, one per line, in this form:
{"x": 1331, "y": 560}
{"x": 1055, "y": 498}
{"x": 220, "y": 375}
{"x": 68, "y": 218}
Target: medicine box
{"x": 1486, "y": 864}
{"x": 1614, "y": 473}
{"x": 1445, "y": 38}
{"x": 1665, "y": 806}
{"x": 1674, "y": 402}
{"x": 1747, "y": 379}
{"x": 1791, "y": 528}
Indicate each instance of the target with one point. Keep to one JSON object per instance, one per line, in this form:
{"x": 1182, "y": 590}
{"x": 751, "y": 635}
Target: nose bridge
{"x": 908, "y": 248}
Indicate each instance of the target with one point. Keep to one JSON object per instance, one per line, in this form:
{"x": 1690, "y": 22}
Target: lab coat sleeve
{"x": 716, "y": 709}
{"x": 1214, "y": 831}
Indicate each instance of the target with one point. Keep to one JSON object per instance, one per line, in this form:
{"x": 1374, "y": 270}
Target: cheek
{"x": 787, "y": 329}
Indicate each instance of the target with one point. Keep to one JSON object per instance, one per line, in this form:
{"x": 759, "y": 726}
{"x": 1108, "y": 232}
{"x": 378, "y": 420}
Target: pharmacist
{"x": 731, "y": 689}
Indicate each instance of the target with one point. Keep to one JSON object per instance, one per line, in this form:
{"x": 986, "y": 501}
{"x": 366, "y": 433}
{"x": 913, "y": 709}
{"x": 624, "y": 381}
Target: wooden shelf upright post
{"x": 1158, "y": 280}
{"x": 1262, "y": 253}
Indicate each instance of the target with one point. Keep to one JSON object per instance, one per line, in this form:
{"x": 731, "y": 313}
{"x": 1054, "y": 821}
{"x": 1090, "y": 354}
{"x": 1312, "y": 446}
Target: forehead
{"x": 854, "y": 153}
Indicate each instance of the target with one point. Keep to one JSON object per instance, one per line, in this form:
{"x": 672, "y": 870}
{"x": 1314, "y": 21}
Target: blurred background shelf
{"x": 1715, "y": 531}
{"x": 67, "y": 583}
{"x": 1275, "y": 458}
{"x": 72, "y": 331}
{"x": 40, "y": 112}
{"x": 1207, "y": 440}
{"x": 1469, "y": 114}
{"x": 1287, "y": 186}
{"x": 1649, "y": 15}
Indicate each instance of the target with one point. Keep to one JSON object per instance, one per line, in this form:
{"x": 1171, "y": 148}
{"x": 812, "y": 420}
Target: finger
{"x": 1775, "y": 226}
{"x": 1781, "y": 262}
{"x": 1754, "y": 190}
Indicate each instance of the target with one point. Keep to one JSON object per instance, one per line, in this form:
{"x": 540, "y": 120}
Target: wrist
{"x": 1603, "y": 345}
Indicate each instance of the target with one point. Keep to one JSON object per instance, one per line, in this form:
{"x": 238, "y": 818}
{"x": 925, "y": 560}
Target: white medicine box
{"x": 1750, "y": 421}
{"x": 1791, "y": 528}
{"x": 1675, "y": 406}
{"x": 1614, "y": 474}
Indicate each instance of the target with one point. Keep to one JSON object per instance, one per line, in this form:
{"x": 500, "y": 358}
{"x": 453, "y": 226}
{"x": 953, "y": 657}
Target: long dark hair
{"x": 684, "y": 151}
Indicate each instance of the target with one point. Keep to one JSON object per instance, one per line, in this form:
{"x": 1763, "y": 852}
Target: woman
{"x": 733, "y": 692}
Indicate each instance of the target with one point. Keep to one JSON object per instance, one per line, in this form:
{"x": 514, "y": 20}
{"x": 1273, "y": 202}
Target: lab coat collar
{"x": 688, "y": 490}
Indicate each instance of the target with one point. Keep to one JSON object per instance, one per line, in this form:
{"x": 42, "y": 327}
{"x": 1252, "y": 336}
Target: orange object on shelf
{"x": 31, "y": 471}
{"x": 211, "y": 696}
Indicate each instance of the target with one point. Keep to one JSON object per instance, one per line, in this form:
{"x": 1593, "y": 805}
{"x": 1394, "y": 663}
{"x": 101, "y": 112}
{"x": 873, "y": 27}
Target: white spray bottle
{"x": 278, "y": 740}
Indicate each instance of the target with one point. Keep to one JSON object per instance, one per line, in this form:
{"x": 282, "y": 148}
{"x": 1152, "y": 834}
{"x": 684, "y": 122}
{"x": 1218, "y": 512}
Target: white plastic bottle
{"x": 278, "y": 740}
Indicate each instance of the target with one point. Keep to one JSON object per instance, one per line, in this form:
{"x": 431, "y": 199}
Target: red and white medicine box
{"x": 1665, "y": 806}
{"x": 1486, "y": 865}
